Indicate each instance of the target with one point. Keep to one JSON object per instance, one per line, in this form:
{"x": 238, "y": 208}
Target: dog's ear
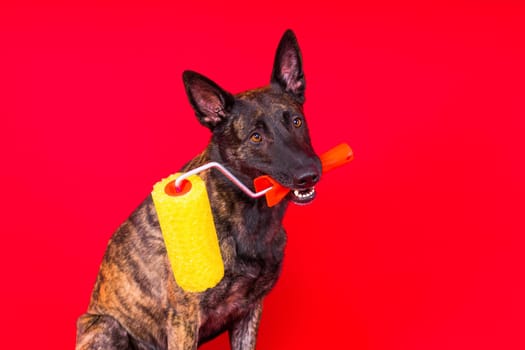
{"x": 288, "y": 67}
{"x": 210, "y": 102}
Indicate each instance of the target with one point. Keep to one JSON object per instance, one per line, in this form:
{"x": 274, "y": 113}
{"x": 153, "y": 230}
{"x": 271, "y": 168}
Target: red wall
{"x": 417, "y": 244}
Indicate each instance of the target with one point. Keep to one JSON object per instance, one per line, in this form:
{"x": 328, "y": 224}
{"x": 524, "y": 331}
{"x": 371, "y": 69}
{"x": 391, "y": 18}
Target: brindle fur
{"x": 136, "y": 303}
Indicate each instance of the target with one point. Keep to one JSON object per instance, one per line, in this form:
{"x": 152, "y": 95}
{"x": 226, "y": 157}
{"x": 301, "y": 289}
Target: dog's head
{"x": 262, "y": 131}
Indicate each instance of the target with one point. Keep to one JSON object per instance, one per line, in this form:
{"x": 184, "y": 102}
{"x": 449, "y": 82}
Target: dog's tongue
{"x": 331, "y": 159}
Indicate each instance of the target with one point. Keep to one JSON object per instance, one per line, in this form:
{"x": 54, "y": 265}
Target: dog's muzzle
{"x": 304, "y": 190}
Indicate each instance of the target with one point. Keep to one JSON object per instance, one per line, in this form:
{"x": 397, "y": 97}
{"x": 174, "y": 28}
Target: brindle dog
{"x": 136, "y": 303}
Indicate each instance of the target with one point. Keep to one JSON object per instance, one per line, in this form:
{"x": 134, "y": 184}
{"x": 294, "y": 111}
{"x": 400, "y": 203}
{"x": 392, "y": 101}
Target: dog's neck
{"x": 230, "y": 205}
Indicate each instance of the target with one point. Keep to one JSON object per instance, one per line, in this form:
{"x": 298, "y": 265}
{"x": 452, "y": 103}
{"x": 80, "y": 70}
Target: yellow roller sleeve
{"x": 189, "y": 233}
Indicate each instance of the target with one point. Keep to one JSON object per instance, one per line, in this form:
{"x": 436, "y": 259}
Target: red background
{"x": 417, "y": 244}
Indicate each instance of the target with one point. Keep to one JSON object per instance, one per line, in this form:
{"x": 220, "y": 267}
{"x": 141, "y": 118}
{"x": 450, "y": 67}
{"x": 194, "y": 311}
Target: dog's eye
{"x": 297, "y": 122}
{"x": 256, "y": 137}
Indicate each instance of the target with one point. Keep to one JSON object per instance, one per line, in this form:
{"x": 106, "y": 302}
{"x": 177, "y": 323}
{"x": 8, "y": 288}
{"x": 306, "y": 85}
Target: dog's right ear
{"x": 210, "y": 102}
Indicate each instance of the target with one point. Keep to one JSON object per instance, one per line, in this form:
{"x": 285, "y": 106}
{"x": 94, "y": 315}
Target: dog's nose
{"x": 306, "y": 179}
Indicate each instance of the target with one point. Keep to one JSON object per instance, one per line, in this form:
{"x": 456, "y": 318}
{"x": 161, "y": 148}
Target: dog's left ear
{"x": 288, "y": 67}
{"x": 210, "y": 102}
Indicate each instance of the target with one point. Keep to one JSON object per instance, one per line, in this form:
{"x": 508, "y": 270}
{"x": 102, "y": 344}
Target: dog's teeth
{"x": 304, "y": 194}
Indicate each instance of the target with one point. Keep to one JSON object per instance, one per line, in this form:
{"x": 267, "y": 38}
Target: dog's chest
{"x": 234, "y": 297}
{"x": 252, "y": 267}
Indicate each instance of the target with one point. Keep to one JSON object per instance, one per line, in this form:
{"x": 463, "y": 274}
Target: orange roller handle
{"x": 331, "y": 159}
{"x": 336, "y": 156}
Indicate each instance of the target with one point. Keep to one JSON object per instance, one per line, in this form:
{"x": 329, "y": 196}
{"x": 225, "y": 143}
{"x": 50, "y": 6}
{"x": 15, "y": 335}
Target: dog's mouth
{"x": 303, "y": 196}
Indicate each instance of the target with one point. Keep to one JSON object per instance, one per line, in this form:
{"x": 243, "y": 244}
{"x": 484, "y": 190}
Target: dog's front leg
{"x": 183, "y": 330}
{"x": 243, "y": 334}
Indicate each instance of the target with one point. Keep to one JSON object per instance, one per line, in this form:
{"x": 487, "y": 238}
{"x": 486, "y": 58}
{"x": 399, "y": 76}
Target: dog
{"x": 136, "y": 302}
